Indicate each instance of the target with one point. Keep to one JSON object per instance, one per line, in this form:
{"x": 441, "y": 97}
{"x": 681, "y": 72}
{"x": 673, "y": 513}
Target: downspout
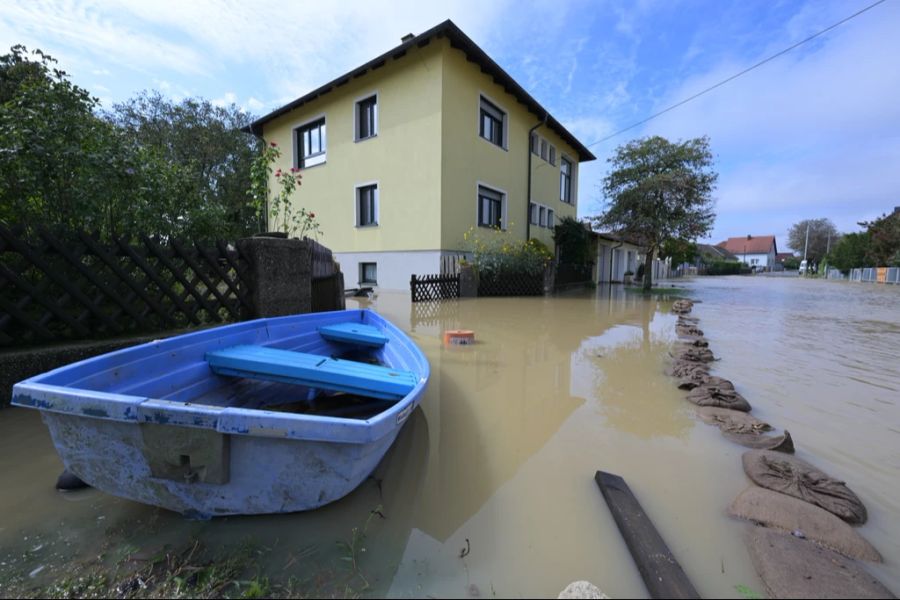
{"x": 528, "y": 195}
{"x": 612, "y": 256}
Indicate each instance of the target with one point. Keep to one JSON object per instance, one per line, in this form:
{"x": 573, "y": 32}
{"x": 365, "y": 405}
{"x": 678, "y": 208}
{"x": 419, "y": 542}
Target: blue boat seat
{"x": 354, "y": 333}
{"x": 312, "y": 370}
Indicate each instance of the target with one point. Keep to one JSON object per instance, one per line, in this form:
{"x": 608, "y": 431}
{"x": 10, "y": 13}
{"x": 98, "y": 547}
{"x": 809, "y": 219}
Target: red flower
{"x": 273, "y": 144}
{"x": 294, "y": 170}
{"x": 312, "y": 215}
{"x": 278, "y": 173}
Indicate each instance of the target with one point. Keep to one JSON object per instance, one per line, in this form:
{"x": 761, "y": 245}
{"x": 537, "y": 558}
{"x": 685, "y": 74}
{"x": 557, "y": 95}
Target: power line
{"x": 735, "y": 76}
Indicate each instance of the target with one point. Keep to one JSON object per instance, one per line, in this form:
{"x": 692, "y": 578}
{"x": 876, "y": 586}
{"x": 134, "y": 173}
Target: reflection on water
{"x": 499, "y": 460}
{"x": 821, "y": 359}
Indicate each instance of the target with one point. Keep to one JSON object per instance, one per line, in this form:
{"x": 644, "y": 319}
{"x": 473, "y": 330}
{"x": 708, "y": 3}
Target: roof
{"x": 714, "y": 252}
{"x": 761, "y": 244}
{"x": 615, "y": 237}
{"x": 460, "y": 41}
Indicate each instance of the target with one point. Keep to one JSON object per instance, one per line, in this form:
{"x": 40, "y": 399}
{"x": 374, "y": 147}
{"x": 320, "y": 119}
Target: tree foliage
{"x": 822, "y": 236}
{"x": 658, "y": 191}
{"x": 206, "y": 141}
{"x": 679, "y": 250}
{"x": 149, "y": 167}
{"x": 851, "y": 252}
{"x": 884, "y": 240}
{"x": 573, "y": 240}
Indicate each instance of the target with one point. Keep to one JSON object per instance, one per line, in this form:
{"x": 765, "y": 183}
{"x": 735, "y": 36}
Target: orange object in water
{"x": 459, "y": 337}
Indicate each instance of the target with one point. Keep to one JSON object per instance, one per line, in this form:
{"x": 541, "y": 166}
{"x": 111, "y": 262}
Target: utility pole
{"x": 806, "y": 245}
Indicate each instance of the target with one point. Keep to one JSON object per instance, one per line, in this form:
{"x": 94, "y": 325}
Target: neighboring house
{"x": 707, "y": 254}
{"x": 614, "y": 256}
{"x": 405, "y": 154}
{"x": 758, "y": 252}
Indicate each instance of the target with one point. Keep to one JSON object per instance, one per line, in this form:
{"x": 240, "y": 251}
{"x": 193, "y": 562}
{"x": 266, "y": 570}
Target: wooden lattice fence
{"x": 428, "y": 288}
{"x": 511, "y": 284}
{"x": 64, "y": 286}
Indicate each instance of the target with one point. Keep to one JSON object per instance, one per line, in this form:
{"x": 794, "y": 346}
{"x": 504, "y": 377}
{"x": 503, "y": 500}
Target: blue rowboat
{"x": 267, "y": 416}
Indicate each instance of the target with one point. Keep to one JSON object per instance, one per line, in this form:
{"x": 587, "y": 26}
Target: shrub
{"x": 495, "y": 252}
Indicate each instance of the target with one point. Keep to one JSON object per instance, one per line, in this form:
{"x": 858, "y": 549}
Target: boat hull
{"x": 209, "y": 455}
{"x": 266, "y": 475}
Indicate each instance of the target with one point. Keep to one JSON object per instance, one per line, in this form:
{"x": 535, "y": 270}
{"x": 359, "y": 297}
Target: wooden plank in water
{"x": 660, "y": 571}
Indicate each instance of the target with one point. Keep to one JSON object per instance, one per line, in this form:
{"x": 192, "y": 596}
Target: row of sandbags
{"x": 803, "y": 544}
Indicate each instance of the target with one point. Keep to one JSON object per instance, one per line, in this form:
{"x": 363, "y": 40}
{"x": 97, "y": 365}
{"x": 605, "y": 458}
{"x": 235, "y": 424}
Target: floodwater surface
{"x": 489, "y": 490}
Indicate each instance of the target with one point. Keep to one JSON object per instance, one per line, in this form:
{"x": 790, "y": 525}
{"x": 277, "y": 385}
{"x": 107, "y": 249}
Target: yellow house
{"x": 403, "y": 155}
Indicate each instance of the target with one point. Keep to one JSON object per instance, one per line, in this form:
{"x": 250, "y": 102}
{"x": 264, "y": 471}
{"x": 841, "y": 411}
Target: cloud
{"x": 807, "y": 135}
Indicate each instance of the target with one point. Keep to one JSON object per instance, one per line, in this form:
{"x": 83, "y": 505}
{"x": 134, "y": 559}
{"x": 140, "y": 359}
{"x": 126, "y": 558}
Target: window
{"x": 553, "y": 155}
{"x": 368, "y": 273}
{"x": 544, "y": 148}
{"x": 490, "y": 208}
{"x": 310, "y": 144}
{"x": 367, "y": 205}
{"x": 565, "y": 181}
{"x": 550, "y": 223}
{"x": 367, "y": 118}
{"x": 491, "y": 125}
{"x": 535, "y": 144}
{"x": 542, "y": 220}
{"x": 533, "y": 213}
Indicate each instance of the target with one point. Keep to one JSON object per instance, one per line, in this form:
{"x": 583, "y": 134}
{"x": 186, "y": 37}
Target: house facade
{"x": 757, "y": 252}
{"x": 405, "y": 154}
{"x": 613, "y": 257}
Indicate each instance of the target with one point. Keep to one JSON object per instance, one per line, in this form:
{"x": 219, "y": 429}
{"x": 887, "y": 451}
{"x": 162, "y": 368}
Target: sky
{"x": 814, "y": 133}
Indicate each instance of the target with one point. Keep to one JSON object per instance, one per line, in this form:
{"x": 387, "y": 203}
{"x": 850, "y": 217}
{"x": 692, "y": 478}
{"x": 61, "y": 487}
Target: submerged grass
{"x": 193, "y": 570}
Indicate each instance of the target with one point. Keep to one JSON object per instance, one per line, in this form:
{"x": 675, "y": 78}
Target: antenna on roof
{"x": 406, "y": 38}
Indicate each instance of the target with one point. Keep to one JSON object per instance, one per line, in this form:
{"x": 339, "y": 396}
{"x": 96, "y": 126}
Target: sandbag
{"x": 777, "y": 443}
{"x": 689, "y": 374}
{"x": 794, "y": 477}
{"x": 791, "y": 515}
{"x": 694, "y": 354}
{"x": 680, "y": 307}
{"x": 794, "y": 568}
{"x": 733, "y": 421}
{"x": 718, "y": 392}
{"x": 684, "y": 320}
{"x": 695, "y": 342}
{"x": 688, "y": 331}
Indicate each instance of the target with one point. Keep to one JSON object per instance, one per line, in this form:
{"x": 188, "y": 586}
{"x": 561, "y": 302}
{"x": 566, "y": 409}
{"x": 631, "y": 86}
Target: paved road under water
{"x": 498, "y": 464}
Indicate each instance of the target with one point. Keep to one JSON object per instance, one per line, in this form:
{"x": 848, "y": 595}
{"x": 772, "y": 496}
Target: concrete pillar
{"x": 468, "y": 281}
{"x": 280, "y": 275}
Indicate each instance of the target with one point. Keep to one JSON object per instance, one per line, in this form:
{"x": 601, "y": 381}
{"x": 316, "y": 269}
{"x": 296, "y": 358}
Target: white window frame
{"x": 298, "y": 158}
{"x": 573, "y": 179}
{"x": 505, "y": 123}
{"x": 504, "y": 202}
{"x": 356, "y": 189}
{"x": 362, "y": 271}
{"x": 356, "y": 103}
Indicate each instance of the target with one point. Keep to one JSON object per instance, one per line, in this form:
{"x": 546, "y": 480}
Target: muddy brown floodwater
{"x": 499, "y": 460}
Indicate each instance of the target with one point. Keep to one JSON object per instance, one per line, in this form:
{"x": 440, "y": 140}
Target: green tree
{"x": 884, "y": 233}
{"x": 823, "y": 235}
{"x": 658, "y": 191}
{"x": 851, "y": 251}
{"x": 207, "y": 143}
{"x": 679, "y": 250}
{"x": 51, "y": 144}
{"x": 573, "y": 240}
